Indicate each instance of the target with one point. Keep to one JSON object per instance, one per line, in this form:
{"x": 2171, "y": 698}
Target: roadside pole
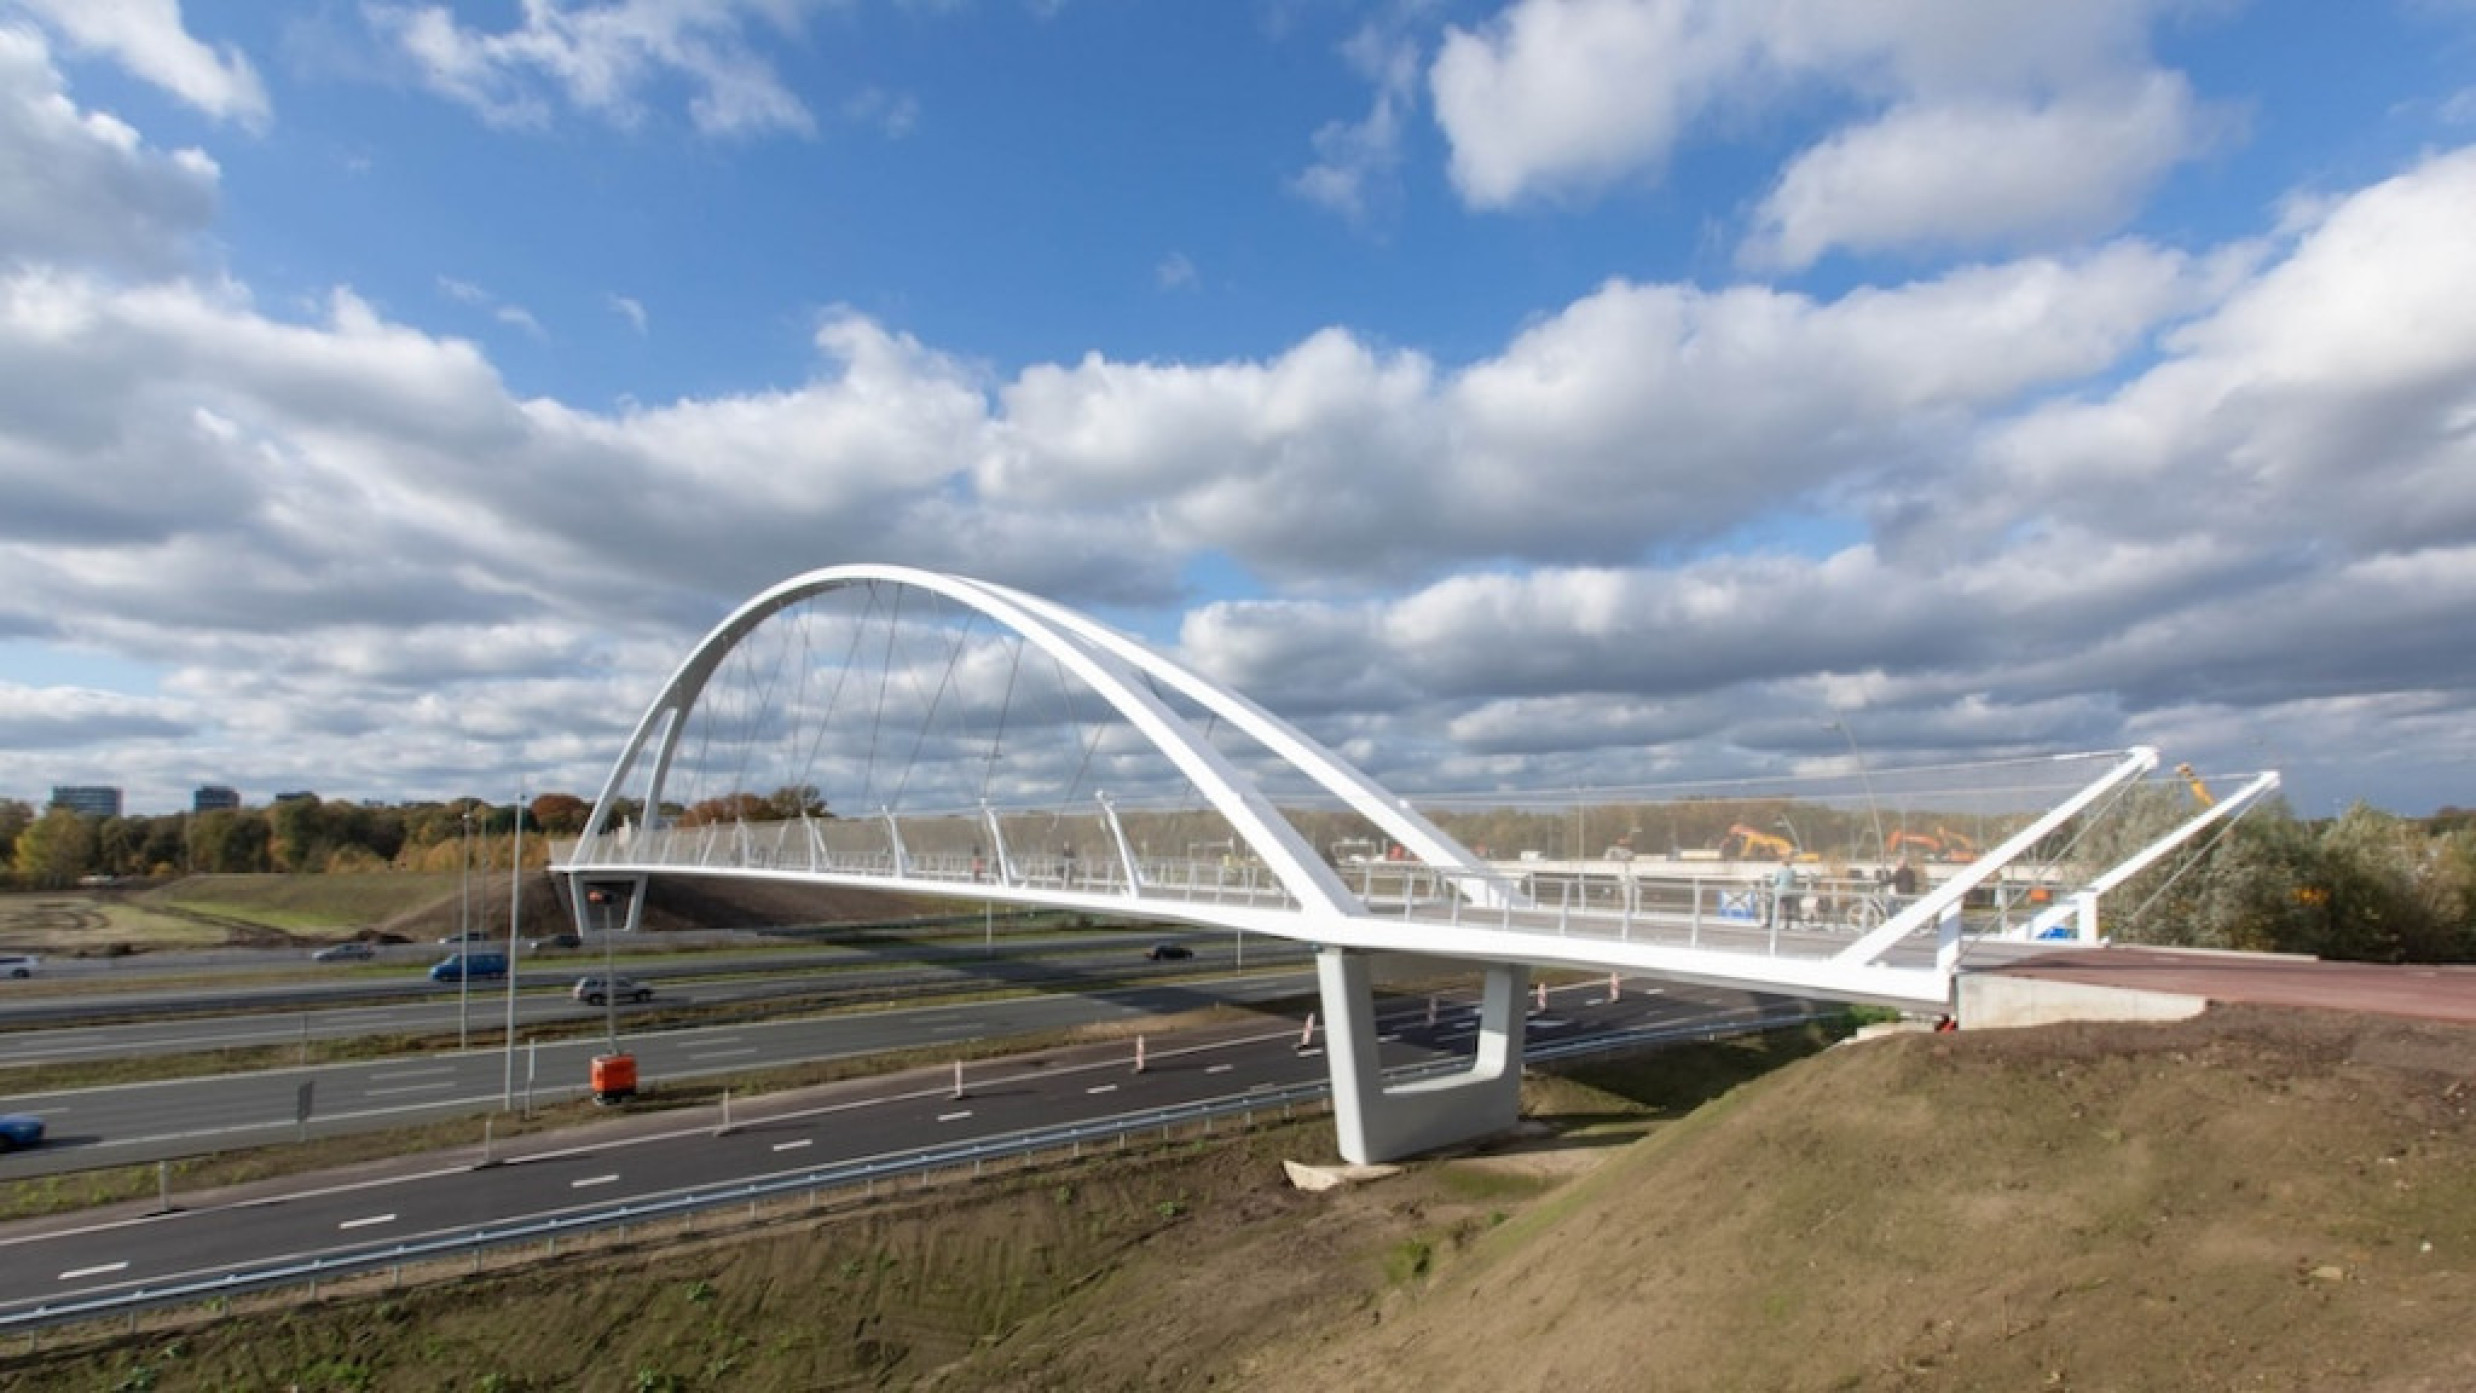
{"x": 515, "y": 911}
{"x": 464, "y": 930}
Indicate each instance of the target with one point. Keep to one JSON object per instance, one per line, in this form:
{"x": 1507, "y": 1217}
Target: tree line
{"x": 58, "y": 847}
{"x": 305, "y": 834}
{"x": 2366, "y": 886}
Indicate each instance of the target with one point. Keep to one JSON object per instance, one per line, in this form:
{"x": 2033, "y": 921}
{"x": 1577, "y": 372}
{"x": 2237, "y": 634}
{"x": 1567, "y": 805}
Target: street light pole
{"x": 1865, "y": 780}
{"x": 515, "y": 901}
{"x": 464, "y": 930}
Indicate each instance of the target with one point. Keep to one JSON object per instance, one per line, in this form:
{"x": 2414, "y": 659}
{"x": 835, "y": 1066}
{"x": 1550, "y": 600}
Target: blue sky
{"x": 1996, "y": 374}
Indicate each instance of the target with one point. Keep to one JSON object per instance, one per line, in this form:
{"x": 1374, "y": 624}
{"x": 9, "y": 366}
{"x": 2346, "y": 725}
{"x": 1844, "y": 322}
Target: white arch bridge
{"x": 975, "y": 742}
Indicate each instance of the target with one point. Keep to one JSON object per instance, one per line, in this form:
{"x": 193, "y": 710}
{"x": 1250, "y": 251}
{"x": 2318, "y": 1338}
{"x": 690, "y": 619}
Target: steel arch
{"x": 1112, "y": 665}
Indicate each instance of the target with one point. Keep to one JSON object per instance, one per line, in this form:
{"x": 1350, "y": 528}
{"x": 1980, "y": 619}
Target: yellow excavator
{"x": 1747, "y": 843}
{"x": 2200, "y": 790}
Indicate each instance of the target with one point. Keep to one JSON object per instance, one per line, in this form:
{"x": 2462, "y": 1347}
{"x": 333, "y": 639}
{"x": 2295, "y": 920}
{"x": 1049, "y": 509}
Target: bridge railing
{"x": 1736, "y": 909}
{"x": 870, "y": 849}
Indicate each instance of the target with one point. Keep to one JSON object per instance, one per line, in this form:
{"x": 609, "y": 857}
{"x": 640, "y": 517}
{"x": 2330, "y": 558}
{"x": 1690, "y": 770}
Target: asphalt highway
{"x": 136, "y": 1023}
{"x": 51, "y": 1260}
{"x": 181, "y": 1117}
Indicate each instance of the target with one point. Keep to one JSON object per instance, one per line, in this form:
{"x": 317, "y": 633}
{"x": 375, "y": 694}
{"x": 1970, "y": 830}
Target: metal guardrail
{"x": 480, "y": 1239}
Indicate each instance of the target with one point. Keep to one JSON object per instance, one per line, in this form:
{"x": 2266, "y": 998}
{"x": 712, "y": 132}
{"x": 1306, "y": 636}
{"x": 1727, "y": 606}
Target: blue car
{"x": 20, "y": 1129}
{"x": 462, "y": 966}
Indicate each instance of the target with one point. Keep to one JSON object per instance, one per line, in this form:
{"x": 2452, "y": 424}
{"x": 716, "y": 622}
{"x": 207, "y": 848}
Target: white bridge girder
{"x": 1469, "y": 911}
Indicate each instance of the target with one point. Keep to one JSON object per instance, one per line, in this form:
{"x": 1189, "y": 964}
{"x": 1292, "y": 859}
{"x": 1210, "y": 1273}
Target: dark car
{"x": 468, "y": 936}
{"x": 558, "y": 941}
{"x": 20, "y": 1129}
{"x": 1168, "y": 952}
{"x": 592, "y": 991}
{"x": 353, "y": 952}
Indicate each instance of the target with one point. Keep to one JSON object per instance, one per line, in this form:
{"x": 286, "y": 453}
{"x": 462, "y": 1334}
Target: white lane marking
{"x": 1391, "y": 1039}
{"x": 724, "y": 1040}
{"x": 954, "y": 1116}
{"x": 368, "y": 1222}
{"x": 792, "y": 1145}
{"x": 432, "y": 1072}
{"x": 97, "y": 1271}
{"x": 592, "y": 1180}
{"x": 409, "y": 1088}
{"x": 723, "y": 1054}
{"x": 1102, "y": 1088}
{"x": 1219, "y": 1068}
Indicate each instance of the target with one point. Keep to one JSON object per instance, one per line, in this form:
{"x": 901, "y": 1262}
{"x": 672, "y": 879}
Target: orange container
{"x": 614, "y": 1077}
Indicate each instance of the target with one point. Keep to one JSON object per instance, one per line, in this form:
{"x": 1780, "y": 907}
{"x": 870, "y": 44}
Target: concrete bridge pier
{"x": 1377, "y": 1123}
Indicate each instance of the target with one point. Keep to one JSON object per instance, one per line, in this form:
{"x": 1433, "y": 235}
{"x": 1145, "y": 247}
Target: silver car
{"x": 592, "y": 990}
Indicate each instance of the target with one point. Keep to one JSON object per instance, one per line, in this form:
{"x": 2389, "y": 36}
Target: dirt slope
{"x": 2261, "y": 1200}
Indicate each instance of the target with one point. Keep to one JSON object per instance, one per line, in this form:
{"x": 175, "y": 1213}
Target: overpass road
{"x": 76, "y": 1256}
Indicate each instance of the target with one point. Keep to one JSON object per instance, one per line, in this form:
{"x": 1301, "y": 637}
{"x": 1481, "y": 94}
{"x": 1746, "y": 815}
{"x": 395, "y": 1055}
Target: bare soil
{"x": 2259, "y": 1199}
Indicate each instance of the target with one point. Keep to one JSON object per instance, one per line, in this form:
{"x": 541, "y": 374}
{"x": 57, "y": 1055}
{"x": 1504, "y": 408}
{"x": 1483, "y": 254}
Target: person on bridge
{"x": 1785, "y": 896}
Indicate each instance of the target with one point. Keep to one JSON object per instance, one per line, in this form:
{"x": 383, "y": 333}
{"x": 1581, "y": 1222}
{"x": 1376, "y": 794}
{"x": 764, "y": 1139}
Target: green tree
{"x": 165, "y": 846}
{"x": 55, "y": 850}
{"x": 16, "y": 815}
{"x": 228, "y": 841}
{"x": 795, "y": 800}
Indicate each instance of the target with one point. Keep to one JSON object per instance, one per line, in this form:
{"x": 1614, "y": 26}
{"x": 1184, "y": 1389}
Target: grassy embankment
{"x": 890, "y": 1292}
{"x": 2256, "y": 1200}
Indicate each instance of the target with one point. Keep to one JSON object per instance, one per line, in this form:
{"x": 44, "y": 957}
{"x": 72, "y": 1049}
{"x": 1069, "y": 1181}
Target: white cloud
{"x": 67, "y": 718}
{"x": 1559, "y": 94}
{"x": 629, "y": 309}
{"x": 1357, "y": 168}
{"x": 514, "y": 316}
{"x": 148, "y": 38}
{"x": 1963, "y": 175}
{"x": 83, "y": 187}
{"x": 1988, "y": 123}
{"x": 1175, "y": 272}
{"x": 601, "y": 59}
{"x": 1639, "y": 417}
{"x": 891, "y": 114}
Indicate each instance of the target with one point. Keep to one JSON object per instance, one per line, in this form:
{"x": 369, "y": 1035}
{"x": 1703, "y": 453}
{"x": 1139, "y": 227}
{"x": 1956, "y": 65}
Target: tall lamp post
{"x": 515, "y": 906}
{"x": 1865, "y": 780}
{"x": 464, "y": 930}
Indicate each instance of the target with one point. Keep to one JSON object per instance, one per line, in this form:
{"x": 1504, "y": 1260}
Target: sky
{"x": 1607, "y": 391}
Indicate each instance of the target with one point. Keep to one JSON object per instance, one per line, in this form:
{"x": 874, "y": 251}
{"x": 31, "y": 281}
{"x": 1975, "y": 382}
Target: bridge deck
{"x": 2422, "y": 992}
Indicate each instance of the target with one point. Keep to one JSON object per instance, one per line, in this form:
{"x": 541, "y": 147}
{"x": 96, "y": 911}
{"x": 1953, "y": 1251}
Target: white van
{"x": 19, "y": 965}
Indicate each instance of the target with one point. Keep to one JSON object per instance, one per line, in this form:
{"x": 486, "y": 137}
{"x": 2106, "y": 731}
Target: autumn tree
{"x": 55, "y": 850}
{"x": 561, "y": 814}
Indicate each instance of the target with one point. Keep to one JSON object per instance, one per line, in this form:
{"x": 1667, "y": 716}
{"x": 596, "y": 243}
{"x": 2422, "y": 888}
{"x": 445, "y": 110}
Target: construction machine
{"x": 1903, "y": 837}
{"x": 2200, "y": 790}
{"x": 1749, "y": 843}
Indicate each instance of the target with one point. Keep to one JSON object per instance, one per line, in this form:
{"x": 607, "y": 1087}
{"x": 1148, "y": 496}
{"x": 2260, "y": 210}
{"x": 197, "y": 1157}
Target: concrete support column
{"x": 1375, "y": 1123}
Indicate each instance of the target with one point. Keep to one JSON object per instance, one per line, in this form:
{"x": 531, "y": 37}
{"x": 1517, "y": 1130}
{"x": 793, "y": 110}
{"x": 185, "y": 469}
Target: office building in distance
{"x": 214, "y": 798}
{"x": 87, "y": 800}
